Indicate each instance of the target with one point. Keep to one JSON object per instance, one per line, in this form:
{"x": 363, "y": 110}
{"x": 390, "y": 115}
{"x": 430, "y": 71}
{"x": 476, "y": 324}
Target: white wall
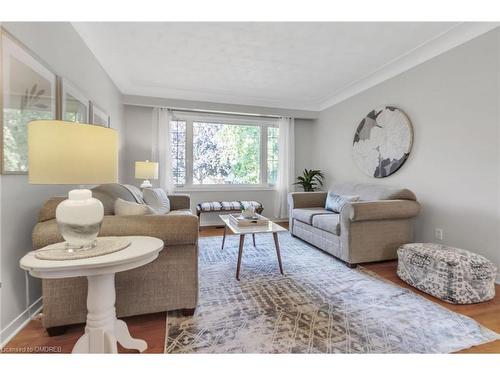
{"x": 138, "y": 143}
{"x": 138, "y": 140}
{"x": 64, "y": 51}
{"x": 454, "y": 168}
{"x": 304, "y": 145}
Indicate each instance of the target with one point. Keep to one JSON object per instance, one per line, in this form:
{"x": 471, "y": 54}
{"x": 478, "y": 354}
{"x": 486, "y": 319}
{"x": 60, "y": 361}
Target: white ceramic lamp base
{"x": 146, "y": 184}
{"x": 79, "y": 219}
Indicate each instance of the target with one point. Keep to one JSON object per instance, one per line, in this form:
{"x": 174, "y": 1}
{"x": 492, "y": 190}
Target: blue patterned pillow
{"x": 335, "y": 202}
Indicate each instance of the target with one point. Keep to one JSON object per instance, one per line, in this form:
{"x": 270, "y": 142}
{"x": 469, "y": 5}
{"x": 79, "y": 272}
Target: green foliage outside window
{"x": 226, "y": 154}
{"x": 223, "y": 153}
{"x": 15, "y": 136}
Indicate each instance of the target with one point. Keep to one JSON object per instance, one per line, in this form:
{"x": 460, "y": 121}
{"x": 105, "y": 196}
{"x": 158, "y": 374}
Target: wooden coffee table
{"x": 242, "y": 231}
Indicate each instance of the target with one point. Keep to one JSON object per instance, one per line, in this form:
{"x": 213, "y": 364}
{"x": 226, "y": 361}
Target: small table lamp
{"x": 62, "y": 152}
{"x": 146, "y": 170}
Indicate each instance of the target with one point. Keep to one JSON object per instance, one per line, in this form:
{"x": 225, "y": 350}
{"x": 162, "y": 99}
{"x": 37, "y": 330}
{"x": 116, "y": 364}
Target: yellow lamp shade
{"x": 146, "y": 170}
{"x": 62, "y": 152}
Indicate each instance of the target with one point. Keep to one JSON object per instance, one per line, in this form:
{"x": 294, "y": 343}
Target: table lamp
{"x": 146, "y": 170}
{"x": 62, "y": 152}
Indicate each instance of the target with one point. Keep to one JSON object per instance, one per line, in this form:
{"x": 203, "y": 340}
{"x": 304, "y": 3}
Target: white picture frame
{"x": 75, "y": 105}
{"x": 28, "y": 92}
{"x": 99, "y": 116}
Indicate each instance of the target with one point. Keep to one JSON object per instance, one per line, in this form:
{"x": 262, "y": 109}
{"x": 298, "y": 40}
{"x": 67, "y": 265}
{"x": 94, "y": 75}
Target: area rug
{"x": 318, "y": 306}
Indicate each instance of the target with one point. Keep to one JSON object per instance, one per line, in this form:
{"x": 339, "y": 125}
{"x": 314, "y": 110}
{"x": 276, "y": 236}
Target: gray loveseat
{"x": 369, "y": 230}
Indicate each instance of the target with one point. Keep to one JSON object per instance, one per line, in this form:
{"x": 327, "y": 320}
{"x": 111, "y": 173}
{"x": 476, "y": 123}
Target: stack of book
{"x": 256, "y": 220}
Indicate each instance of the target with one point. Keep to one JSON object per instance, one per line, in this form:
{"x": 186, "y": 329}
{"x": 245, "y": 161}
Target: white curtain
{"x": 286, "y": 165}
{"x": 161, "y": 148}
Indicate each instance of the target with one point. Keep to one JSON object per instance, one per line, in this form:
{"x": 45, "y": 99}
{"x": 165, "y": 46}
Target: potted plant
{"x": 310, "y": 179}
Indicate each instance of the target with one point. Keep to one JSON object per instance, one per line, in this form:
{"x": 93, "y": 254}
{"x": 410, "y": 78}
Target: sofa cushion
{"x": 229, "y": 206}
{"x": 180, "y": 212}
{"x": 306, "y": 214}
{"x": 335, "y": 202}
{"x": 157, "y": 199}
{"x": 372, "y": 192}
{"x": 126, "y": 208}
{"x": 329, "y": 223}
{"x": 109, "y": 193}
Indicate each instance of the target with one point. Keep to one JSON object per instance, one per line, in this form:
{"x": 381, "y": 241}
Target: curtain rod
{"x": 222, "y": 112}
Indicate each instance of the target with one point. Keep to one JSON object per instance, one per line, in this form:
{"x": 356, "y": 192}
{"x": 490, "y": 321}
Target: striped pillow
{"x": 157, "y": 199}
{"x": 335, "y": 202}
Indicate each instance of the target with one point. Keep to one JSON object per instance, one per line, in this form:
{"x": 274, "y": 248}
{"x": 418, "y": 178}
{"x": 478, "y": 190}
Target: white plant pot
{"x": 79, "y": 219}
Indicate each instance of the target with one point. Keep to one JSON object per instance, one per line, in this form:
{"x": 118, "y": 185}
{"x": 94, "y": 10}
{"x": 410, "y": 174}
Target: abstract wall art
{"x": 383, "y": 141}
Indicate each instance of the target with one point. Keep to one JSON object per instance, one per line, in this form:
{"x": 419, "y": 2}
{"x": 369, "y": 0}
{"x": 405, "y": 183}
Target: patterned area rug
{"x": 319, "y": 306}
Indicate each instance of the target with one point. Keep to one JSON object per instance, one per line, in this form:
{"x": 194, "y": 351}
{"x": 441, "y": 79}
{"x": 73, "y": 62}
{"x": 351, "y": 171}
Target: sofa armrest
{"x": 380, "y": 210}
{"x": 180, "y": 201}
{"x": 172, "y": 229}
{"x": 48, "y": 210}
{"x": 307, "y": 199}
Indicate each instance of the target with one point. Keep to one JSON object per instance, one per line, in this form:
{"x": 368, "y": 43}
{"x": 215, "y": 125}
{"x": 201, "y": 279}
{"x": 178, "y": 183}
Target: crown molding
{"x": 446, "y": 41}
{"x": 149, "y": 101}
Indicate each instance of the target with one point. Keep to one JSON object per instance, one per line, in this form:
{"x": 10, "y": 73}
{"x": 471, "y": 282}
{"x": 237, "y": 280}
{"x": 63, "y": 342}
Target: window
{"x": 178, "y": 149}
{"x": 225, "y": 154}
{"x": 209, "y": 150}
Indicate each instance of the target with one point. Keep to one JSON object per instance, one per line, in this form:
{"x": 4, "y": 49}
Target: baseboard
{"x": 20, "y": 322}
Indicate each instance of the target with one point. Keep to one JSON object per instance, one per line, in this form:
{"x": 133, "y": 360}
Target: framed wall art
{"x": 28, "y": 93}
{"x": 75, "y": 106}
{"x": 99, "y": 116}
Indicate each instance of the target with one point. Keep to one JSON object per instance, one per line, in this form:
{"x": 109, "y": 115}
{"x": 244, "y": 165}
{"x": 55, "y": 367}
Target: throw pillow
{"x": 335, "y": 202}
{"x": 157, "y": 199}
{"x": 126, "y": 208}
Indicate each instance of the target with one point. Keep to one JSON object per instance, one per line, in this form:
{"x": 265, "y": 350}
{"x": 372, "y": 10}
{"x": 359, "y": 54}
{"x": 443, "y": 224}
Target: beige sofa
{"x": 365, "y": 231}
{"x": 168, "y": 283}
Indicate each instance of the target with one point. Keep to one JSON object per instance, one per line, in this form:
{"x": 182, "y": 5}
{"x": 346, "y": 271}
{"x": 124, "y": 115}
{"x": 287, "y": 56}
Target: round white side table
{"x": 103, "y": 329}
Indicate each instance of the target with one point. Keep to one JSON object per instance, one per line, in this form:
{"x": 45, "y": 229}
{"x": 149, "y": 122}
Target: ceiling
{"x": 285, "y": 65}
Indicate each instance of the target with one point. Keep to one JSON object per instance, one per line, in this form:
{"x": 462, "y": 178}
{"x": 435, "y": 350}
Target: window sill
{"x": 193, "y": 189}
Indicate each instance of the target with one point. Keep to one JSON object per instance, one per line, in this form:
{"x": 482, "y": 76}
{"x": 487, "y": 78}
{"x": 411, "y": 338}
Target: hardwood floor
{"x": 151, "y": 327}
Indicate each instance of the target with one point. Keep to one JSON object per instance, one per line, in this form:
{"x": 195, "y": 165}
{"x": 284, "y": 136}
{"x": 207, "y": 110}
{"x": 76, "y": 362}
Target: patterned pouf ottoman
{"x": 450, "y": 274}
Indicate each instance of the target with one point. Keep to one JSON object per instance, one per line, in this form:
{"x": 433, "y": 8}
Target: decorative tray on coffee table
{"x": 256, "y": 220}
